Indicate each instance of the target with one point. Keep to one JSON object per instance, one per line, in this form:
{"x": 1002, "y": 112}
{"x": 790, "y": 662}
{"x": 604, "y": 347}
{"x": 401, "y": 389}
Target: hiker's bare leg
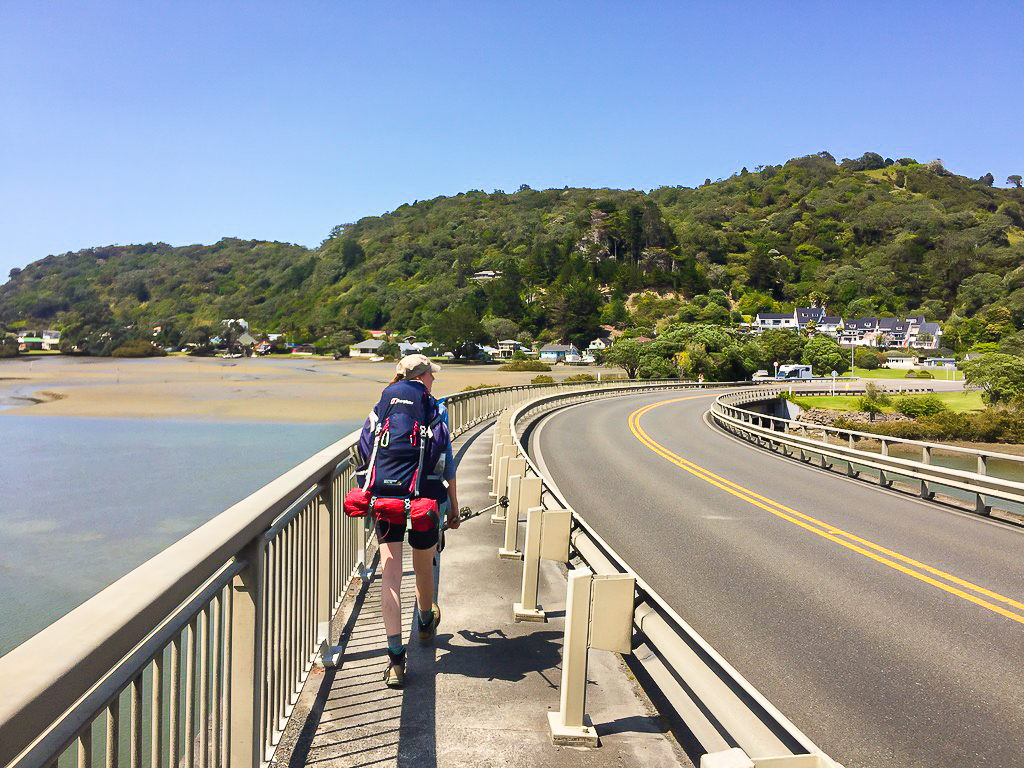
{"x": 391, "y": 586}
{"x": 423, "y": 565}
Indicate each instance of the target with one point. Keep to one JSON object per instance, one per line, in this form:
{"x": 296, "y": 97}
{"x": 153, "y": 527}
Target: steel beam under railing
{"x": 790, "y": 437}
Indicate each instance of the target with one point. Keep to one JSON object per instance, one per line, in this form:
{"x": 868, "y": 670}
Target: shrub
{"x": 8, "y": 347}
{"x": 525, "y": 365}
{"x": 542, "y": 379}
{"x": 138, "y": 348}
{"x": 921, "y": 405}
{"x": 474, "y": 387}
{"x": 875, "y": 394}
{"x": 912, "y": 374}
{"x": 867, "y": 404}
{"x": 581, "y": 377}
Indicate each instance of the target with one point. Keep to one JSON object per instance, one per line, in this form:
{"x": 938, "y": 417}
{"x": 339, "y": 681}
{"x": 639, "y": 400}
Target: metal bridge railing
{"x": 718, "y": 706}
{"x": 851, "y": 448}
{"x": 197, "y": 656}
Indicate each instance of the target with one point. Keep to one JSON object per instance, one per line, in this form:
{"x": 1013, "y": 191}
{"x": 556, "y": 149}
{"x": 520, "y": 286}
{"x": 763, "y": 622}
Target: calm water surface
{"x": 82, "y": 502}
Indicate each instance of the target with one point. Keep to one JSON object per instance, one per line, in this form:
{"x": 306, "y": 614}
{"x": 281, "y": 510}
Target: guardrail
{"x": 793, "y": 438}
{"x": 718, "y": 706}
{"x": 197, "y": 656}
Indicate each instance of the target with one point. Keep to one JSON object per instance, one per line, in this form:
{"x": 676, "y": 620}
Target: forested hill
{"x": 864, "y": 236}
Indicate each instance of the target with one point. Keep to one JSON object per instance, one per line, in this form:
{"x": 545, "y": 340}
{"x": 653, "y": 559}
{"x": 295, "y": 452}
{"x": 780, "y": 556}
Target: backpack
{"x": 400, "y": 478}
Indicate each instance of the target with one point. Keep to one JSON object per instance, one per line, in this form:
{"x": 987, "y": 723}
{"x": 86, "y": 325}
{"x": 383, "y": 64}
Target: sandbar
{"x": 272, "y": 389}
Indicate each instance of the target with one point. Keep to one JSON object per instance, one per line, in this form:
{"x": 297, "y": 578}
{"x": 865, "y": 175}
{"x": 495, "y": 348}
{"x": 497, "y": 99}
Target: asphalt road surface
{"x": 889, "y": 630}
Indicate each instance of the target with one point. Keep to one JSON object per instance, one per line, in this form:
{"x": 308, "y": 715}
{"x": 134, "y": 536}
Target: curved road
{"x": 889, "y": 630}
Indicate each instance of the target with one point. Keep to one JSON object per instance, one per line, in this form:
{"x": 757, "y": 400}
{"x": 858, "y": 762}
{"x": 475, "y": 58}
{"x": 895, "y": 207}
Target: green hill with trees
{"x": 863, "y": 236}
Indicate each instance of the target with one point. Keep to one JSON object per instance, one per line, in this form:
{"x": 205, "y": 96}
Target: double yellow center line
{"x": 947, "y": 582}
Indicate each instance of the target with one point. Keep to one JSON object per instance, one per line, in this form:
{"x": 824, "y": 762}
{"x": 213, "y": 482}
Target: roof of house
{"x": 863, "y": 323}
{"x": 369, "y": 344}
{"x": 830, "y": 320}
{"x": 773, "y": 316}
{"x": 933, "y": 328}
{"x": 806, "y": 314}
{"x": 557, "y": 348}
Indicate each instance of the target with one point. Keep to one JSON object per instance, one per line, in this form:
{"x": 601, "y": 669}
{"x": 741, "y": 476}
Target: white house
{"x": 600, "y": 344}
{"x": 366, "y": 348}
{"x": 51, "y": 339}
{"x": 774, "y": 320}
{"x": 509, "y": 347}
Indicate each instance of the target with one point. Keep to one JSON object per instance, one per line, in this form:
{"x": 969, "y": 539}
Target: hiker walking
{"x": 405, "y": 445}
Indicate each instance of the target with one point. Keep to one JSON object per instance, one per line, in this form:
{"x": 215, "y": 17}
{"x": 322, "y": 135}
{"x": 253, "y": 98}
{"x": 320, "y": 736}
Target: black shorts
{"x": 388, "y": 533}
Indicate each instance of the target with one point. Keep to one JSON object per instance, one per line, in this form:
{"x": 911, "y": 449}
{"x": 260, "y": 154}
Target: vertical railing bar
{"x": 189, "y": 751}
{"x": 174, "y": 702}
{"x": 156, "y": 709}
{"x": 228, "y": 620}
{"x": 135, "y": 728}
{"x": 215, "y": 622}
{"x": 203, "y": 720}
{"x": 113, "y": 757}
{"x": 282, "y": 633}
{"x": 274, "y": 647}
{"x": 85, "y": 747}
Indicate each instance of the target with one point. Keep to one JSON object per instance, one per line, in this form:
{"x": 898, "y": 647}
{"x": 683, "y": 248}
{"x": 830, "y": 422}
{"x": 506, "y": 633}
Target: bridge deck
{"x": 480, "y": 696}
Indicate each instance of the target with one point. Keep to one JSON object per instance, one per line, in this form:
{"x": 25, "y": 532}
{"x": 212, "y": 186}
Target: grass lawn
{"x": 901, "y": 373}
{"x": 955, "y": 401}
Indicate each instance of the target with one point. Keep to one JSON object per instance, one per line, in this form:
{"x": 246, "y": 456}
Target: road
{"x": 889, "y": 630}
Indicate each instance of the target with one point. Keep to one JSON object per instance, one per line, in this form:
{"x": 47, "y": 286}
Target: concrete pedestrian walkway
{"x": 480, "y": 695}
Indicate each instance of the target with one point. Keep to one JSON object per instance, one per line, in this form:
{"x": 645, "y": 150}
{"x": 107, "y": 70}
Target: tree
{"x": 781, "y": 346}
{"x": 500, "y": 328}
{"x": 979, "y": 291}
{"x": 999, "y": 377}
{"x": 824, "y": 355}
{"x": 1015, "y": 179}
{"x": 988, "y": 179}
{"x": 869, "y": 359}
{"x": 624, "y": 354}
{"x": 457, "y": 330}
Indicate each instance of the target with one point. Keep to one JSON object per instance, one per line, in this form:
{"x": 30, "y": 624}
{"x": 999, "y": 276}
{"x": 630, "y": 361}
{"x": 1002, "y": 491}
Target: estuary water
{"x": 84, "y": 501}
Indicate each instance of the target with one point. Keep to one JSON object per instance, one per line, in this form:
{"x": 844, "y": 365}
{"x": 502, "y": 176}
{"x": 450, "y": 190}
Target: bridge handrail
{"x": 781, "y": 432}
{"x": 719, "y": 706}
{"x": 220, "y": 628}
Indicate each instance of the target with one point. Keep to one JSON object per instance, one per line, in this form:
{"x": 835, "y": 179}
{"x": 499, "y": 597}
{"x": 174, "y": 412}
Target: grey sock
{"x": 395, "y": 646}
{"x": 426, "y": 617}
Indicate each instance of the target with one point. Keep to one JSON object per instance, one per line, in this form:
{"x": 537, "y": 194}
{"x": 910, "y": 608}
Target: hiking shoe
{"x": 429, "y": 631}
{"x": 394, "y": 674}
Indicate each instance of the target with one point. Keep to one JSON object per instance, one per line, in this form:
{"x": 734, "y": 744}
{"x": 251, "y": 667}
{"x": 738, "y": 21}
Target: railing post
{"x": 246, "y": 660}
{"x": 598, "y": 614}
{"x": 982, "y": 464}
{"x": 926, "y": 458}
{"x": 324, "y": 515}
{"x": 547, "y": 537}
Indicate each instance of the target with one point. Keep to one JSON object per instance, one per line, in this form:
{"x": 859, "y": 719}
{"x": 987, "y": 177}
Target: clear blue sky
{"x": 184, "y": 122}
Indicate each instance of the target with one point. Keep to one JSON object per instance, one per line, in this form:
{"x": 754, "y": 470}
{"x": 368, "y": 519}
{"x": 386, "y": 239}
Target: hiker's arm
{"x": 453, "y": 505}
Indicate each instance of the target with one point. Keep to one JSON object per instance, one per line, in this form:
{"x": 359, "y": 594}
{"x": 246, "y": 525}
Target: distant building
{"x": 509, "y": 347}
{"x": 486, "y": 274}
{"x": 51, "y": 339}
{"x": 367, "y": 348}
{"x": 555, "y": 353}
